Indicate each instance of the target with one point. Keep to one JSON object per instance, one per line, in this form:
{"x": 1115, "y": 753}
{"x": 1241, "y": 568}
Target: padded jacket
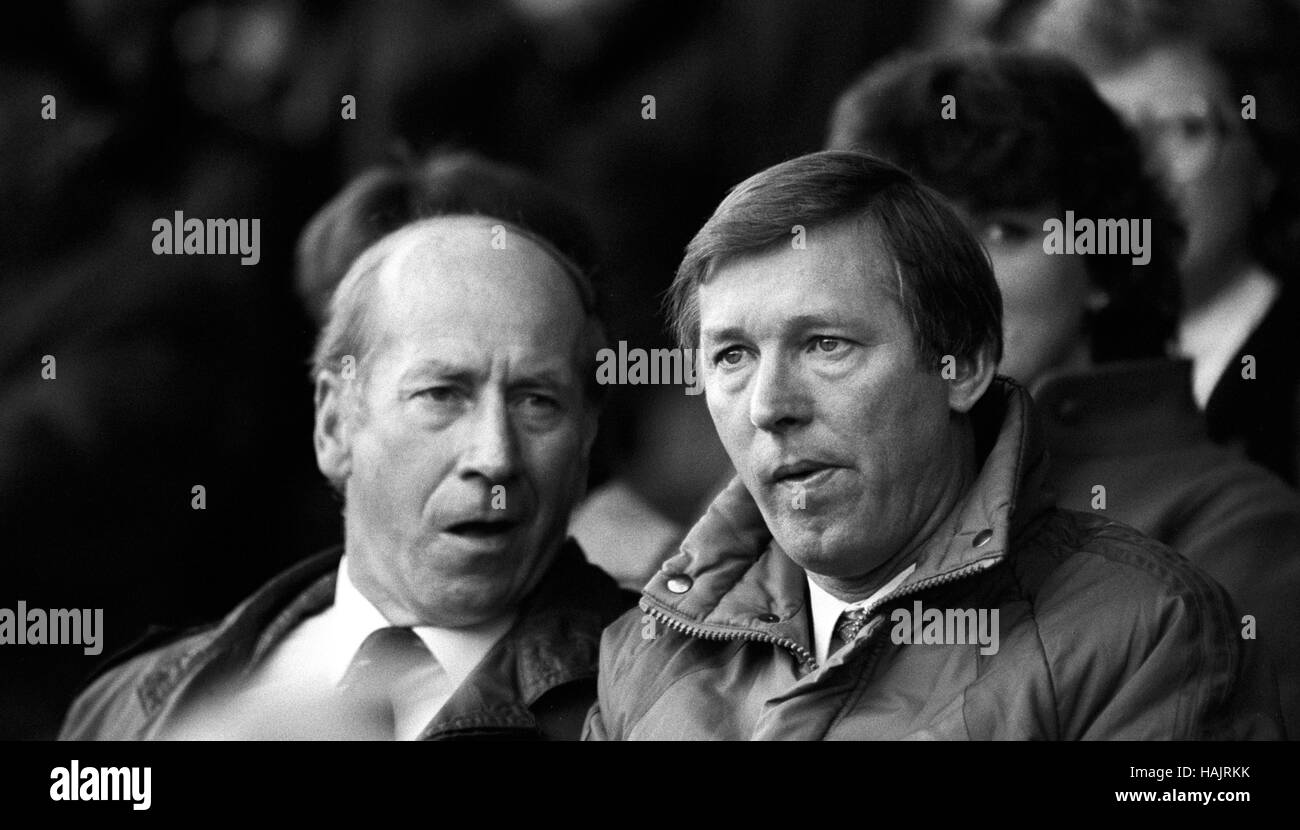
{"x": 1103, "y": 633}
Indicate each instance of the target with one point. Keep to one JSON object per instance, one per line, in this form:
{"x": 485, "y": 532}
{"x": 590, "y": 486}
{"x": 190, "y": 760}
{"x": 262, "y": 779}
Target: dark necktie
{"x": 847, "y": 626}
{"x": 391, "y": 665}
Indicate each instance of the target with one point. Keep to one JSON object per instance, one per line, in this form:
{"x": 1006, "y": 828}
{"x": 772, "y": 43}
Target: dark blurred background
{"x": 176, "y": 371}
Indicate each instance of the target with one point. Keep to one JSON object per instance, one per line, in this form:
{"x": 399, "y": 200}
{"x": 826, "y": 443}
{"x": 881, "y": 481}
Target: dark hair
{"x": 1255, "y": 43}
{"x": 383, "y": 199}
{"x": 945, "y": 282}
{"x": 1030, "y": 130}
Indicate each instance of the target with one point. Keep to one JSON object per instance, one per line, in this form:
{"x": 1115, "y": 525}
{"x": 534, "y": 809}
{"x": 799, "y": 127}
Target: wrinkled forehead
{"x": 856, "y": 244}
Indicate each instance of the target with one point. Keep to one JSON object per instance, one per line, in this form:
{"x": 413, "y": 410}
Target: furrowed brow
{"x": 442, "y": 370}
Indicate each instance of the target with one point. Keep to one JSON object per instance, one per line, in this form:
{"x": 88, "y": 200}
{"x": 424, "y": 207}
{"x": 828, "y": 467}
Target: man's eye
{"x": 537, "y": 411}
{"x": 729, "y": 357}
{"x": 828, "y": 344}
{"x": 541, "y": 403}
{"x": 441, "y": 394}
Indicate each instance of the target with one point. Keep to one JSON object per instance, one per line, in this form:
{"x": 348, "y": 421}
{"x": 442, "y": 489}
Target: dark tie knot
{"x": 851, "y": 622}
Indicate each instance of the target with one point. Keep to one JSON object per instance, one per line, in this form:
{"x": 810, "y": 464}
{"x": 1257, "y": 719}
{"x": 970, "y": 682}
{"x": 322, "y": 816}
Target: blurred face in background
{"x": 1190, "y": 122}
{"x": 465, "y": 442}
{"x": 1045, "y": 297}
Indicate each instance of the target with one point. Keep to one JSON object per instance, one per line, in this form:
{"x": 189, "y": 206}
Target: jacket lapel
{"x": 554, "y": 642}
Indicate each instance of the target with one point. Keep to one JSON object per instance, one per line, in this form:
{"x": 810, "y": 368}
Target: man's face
{"x": 467, "y": 442}
{"x": 815, "y": 383}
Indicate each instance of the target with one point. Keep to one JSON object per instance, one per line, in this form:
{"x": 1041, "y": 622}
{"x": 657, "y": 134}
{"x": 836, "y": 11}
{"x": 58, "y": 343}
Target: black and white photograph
{"x": 623, "y": 370}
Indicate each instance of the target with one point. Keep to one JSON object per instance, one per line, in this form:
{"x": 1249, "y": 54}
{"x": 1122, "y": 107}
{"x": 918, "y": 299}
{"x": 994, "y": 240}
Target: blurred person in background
{"x": 1211, "y": 89}
{"x": 1089, "y": 334}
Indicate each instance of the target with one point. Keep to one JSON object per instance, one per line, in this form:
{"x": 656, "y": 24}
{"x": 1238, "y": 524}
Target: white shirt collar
{"x": 826, "y": 609}
{"x": 458, "y": 650}
{"x": 1213, "y": 334}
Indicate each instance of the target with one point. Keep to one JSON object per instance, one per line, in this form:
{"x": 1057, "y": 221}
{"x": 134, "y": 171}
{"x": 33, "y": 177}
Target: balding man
{"x": 455, "y": 410}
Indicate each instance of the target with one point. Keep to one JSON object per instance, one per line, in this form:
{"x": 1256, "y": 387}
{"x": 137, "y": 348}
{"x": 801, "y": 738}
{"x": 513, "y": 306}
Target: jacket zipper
{"x": 805, "y": 657}
{"x": 926, "y": 584}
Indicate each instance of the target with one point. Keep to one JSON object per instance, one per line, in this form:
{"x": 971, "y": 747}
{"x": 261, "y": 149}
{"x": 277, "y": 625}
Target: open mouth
{"x": 802, "y": 473}
{"x": 478, "y": 529}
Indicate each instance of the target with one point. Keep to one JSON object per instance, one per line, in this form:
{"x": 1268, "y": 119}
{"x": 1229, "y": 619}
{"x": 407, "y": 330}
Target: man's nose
{"x": 490, "y": 451}
{"x": 778, "y": 399}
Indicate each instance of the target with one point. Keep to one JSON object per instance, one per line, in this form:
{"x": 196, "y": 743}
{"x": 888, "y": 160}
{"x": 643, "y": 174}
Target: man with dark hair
{"x": 886, "y": 563}
{"x": 1087, "y": 334}
{"x": 455, "y": 412}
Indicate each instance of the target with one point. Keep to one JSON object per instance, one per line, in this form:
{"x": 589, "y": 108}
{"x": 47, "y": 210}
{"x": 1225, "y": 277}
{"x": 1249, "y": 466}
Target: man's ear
{"x": 331, "y": 433}
{"x": 968, "y": 377}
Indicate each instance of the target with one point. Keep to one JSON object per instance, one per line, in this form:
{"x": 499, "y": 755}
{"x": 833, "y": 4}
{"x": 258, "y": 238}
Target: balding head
{"x": 352, "y": 327}
{"x": 461, "y": 435}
